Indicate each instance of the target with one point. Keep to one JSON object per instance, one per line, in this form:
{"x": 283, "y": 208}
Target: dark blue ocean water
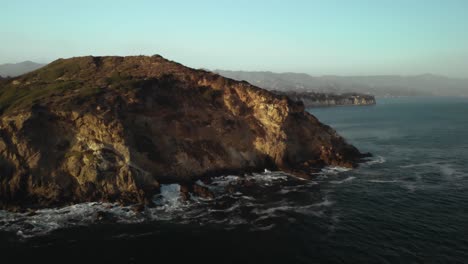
{"x": 413, "y": 206}
{"x": 408, "y": 204}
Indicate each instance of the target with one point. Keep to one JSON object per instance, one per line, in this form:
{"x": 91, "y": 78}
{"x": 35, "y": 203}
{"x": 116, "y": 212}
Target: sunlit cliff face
{"x": 114, "y": 128}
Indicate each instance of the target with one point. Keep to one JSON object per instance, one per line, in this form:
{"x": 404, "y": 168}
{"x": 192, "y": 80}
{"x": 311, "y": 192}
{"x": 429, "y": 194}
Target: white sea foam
{"x": 284, "y": 206}
{"x": 447, "y": 170}
{"x": 272, "y": 210}
{"x": 199, "y": 182}
{"x": 334, "y": 170}
{"x": 375, "y": 160}
{"x": 169, "y": 196}
{"x": 249, "y": 208}
{"x": 237, "y": 221}
{"x": 426, "y": 164}
{"x": 410, "y": 186}
{"x": 224, "y": 180}
{"x": 324, "y": 203}
{"x": 383, "y": 181}
{"x": 348, "y": 179}
{"x": 268, "y": 177}
{"x": 250, "y": 198}
{"x": 297, "y": 188}
{"x": 47, "y": 220}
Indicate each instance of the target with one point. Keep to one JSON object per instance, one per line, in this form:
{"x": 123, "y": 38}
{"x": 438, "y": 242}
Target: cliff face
{"x": 312, "y": 99}
{"x": 114, "y": 128}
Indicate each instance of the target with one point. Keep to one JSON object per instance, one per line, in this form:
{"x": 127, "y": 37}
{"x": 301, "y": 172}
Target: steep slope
{"x": 114, "y": 128}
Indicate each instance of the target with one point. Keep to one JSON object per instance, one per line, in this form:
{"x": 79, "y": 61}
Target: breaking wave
{"x": 375, "y": 160}
{"x": 255, "y": 201}
{"x": 348, "y": 179}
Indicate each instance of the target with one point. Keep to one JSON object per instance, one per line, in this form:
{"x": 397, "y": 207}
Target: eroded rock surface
{"x": 114, "y": 128}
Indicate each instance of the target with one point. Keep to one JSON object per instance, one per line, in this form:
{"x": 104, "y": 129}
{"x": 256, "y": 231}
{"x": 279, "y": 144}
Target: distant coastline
{"x": 379, "y": 85}
{"x": 314, "y": 99}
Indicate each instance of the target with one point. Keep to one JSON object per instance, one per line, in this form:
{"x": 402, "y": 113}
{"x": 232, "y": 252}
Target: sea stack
{"x": 114, "y": 128}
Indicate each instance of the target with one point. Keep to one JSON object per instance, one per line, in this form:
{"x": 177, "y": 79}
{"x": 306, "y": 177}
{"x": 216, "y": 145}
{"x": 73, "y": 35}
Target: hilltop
{"x": 115, "y": 128}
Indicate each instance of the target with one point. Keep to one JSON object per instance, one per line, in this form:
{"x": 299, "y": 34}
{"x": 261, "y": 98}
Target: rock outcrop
{"x": 314, "y": 99}
{"x": 114, "y": 128}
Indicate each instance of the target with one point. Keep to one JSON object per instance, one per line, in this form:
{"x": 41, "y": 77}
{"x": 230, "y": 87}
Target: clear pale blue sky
{"x": 344, "y": 37}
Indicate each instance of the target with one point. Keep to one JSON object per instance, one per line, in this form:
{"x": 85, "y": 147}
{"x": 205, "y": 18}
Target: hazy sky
{"x": 344, "y": 37}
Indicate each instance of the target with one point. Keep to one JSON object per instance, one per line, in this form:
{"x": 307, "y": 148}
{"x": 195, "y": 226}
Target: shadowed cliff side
{"x": 114, "y": 128}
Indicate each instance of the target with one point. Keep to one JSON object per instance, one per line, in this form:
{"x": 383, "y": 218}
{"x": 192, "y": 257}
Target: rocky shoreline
{"x": 115, "y": 128}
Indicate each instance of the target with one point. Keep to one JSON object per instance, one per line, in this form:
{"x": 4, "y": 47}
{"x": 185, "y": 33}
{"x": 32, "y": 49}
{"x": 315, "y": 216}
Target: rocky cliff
{"x": 114, "y": 128}
{"x": 313, "y": 99}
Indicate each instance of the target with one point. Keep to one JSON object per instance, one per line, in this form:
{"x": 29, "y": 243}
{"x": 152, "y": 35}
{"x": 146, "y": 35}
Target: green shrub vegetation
{"x": 56, "y": 70}
{"x": 20, "y": 96}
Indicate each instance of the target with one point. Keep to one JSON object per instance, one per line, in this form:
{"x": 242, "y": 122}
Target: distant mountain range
{"x": 384, "y": 85}
{"x": 15, "y": 69}
{"x": 381, "y": 85}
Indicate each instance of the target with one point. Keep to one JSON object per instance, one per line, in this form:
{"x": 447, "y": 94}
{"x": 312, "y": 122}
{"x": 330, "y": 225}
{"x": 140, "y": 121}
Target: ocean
{"x": 406, "y": 204}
